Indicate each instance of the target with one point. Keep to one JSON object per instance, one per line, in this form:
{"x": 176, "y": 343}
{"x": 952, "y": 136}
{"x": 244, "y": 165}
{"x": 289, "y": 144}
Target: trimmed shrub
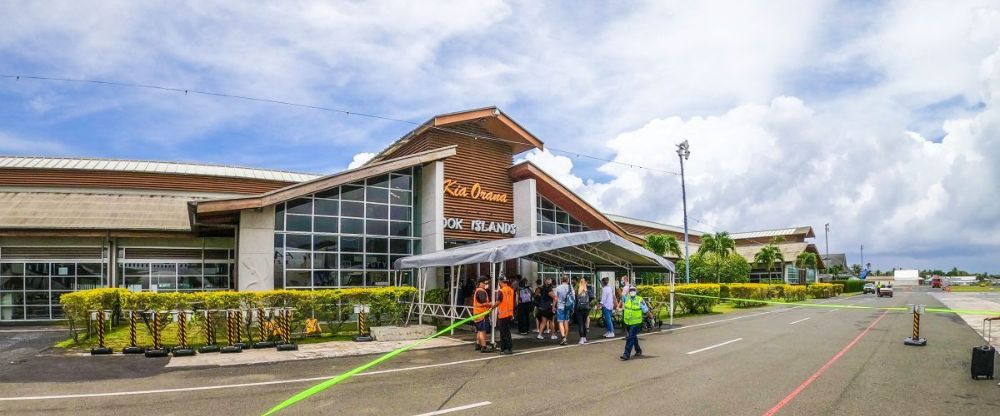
{"x": 757, "y": 291}
{"x": 794, "y": 293}
{"x": 850, "y": 286}
{"x": 688, "y": 304}
{"x": 838, "y": 289}
{"x": 77, "y": 306}
{"x": 820, "y": 290}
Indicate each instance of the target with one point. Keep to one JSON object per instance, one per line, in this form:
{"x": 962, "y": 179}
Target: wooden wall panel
{"x": 135, "y": 180}
{"x": 480, "y": 161}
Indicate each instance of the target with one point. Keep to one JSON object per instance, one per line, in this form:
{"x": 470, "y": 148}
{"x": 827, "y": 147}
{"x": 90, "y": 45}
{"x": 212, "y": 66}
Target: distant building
{"x": 906, "y": 277}
{"x": 960, "y": 280}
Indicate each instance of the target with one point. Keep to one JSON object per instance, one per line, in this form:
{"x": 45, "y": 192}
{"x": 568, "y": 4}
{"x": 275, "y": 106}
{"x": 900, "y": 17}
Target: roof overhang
{"x": 325, "y": 182}
{"x": 591, "y": 250}
{"x": 558, "y": 193}
{"x": 489, "y": 118}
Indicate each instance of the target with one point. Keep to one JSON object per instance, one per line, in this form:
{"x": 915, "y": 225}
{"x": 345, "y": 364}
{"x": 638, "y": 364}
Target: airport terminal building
{"x": 72, "y": 224}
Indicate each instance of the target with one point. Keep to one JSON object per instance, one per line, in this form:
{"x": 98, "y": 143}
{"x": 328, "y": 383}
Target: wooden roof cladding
{"x": 135, "y": 180}
{"x": 322, "y": 183}
{"x": 645, "y": 231}
{"x": 493, "y": 122}
{"x": 478, "y": 161}
{"x": 556, "y": 192}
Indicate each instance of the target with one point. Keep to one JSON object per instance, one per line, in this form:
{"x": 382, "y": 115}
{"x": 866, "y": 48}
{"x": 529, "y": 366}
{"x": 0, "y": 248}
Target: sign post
{"x": 132, "y": 347}
{"x": 182, "y": 349}
{"x": 363, "y": 334}
{"x": 157, "y": 350}
{"x": 209, "y": 328}
{"x": 100, "y": 349}
{"x": 286, "y": 331}
{"x": 916, "y": 340}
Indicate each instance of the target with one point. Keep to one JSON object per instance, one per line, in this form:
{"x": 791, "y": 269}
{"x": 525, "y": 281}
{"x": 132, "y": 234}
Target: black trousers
{"x": 581, "y": 321}
{"x": 503, "y": 326}
{"x": 524, "y": 317}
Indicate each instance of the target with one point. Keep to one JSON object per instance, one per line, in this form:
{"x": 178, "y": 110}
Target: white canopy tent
{"x": 589, "y": 250}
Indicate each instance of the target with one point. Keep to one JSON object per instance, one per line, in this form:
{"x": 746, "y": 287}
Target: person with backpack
{"x": 545, "y": 302}
{"x": 565, "y": 302}
{"x": 634, "y": 308}
{"x": 525, "y": 303}
{"x": 582, "y": 310}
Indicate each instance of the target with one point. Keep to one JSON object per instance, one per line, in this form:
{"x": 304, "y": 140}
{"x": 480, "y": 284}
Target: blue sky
{"x": 878, "y": 117}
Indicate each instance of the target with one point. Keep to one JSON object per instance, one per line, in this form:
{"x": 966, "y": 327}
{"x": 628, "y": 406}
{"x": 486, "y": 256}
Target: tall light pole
{"x": 862, "y": 256}
{"x": 683, "y": 152}
{"x": 827, "y": 238}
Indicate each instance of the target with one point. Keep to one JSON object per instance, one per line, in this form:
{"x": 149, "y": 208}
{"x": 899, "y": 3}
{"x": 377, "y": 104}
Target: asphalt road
{"x": 802, "y": 361}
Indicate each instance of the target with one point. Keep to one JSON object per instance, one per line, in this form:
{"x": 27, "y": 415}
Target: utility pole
{"x": 827, "y": 238}
{"x": 683, "y": 152}
{"x": 862, "y": 255}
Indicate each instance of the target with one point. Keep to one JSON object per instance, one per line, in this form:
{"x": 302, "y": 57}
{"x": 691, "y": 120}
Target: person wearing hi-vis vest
{"x": 505, "y": 315}
{"x": 633, "y": 309}
{"x": 481, "y": 304}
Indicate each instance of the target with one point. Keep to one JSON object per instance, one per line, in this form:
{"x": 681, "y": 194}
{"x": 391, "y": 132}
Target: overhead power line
{"x": 187, "y": 91}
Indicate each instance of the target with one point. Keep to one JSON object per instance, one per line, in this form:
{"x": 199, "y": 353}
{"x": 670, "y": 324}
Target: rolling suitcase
{"x": 982, "y": 357}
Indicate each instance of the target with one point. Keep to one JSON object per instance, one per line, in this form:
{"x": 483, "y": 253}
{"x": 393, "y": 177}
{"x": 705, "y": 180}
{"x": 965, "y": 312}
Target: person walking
{"x": 609, "y": 302}
{"x": 505, "y": 314}
{"x": 546, "y": 309}
{"x": 481, "y": 306}
{"x": 582, "y": 311}
{"x": 565, "y": 301}
{"x": 633, "y": 310}
{"x": 524, "y": 305}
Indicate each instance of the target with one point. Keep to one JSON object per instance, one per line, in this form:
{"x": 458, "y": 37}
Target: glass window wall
{"x": 345, "y": 236}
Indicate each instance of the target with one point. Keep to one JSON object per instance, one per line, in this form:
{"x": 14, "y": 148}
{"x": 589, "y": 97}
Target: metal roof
{"x": 651, "y": 224}
{"x": 123, "y": 165}
{"x": 773, "y": 233}
{"x": 92, "y": 211}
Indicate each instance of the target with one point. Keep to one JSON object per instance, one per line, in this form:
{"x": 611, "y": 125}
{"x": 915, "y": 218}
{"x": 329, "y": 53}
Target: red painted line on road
{"x": 791, "y": 396}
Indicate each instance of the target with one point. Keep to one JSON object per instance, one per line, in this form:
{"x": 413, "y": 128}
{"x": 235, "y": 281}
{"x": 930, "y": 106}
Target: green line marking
{"x": 337, "y": 379}
{"x": 828, "y": 305}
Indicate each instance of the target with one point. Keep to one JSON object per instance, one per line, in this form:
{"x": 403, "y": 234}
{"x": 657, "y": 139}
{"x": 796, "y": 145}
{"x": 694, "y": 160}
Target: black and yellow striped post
{"x": 286, "y": 331}
{"x": 262, "y": 333}
{"x": 238, "y": 320}
{"x": 232, "y": 333}
{"x": 363, "y": 335}
{"x": 157, "y": 350}
{"x": 100, "y": 349}
{"x": 133, "y": 342}
{"x": 915, "y": 339}
{"x": 208, "y": 327}
{"x": 182, "y": 349}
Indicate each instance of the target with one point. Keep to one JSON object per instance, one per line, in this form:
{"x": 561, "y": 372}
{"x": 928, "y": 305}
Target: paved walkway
{"x": 974, "y": 301}
{"x": 306, "y": 352}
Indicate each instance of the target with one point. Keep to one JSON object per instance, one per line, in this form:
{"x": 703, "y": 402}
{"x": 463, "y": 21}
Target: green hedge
{"x": 332, "y": 306}
{"x": 688, "y": 304}
{"x": 850, "y": 286}
{"x": 821, "y": 290}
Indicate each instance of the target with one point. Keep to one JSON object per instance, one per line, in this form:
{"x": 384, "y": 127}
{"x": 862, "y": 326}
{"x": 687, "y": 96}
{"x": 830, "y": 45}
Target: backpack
{"x": 524, "y": 295}
{"x": 544, "y": 301}
{"x": 583, "y": 301}
{"x": 570, "y": 300}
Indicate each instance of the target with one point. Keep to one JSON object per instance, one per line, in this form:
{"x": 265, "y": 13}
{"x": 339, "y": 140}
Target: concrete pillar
{"x": 255, "y": 255}
{"x": 432, "y": 215}
{"x": 526, "y": 220}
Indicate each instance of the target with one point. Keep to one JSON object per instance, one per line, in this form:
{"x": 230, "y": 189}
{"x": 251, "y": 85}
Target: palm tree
{"x": 663, "y": 244}
{"x": 721, "y": 245}
{"x": 767, "y": 257}
{"x": 806, "y": 260}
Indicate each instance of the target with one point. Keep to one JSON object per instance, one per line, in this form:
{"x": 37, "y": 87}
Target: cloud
{"x": 784, "y": 163}
{"x": 360, "y": 159}
{"x": 11, "y": 144}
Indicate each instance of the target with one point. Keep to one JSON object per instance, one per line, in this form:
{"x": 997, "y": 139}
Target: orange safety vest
{"x": 477, "y": 307}
{"x": 506, "y": 308}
